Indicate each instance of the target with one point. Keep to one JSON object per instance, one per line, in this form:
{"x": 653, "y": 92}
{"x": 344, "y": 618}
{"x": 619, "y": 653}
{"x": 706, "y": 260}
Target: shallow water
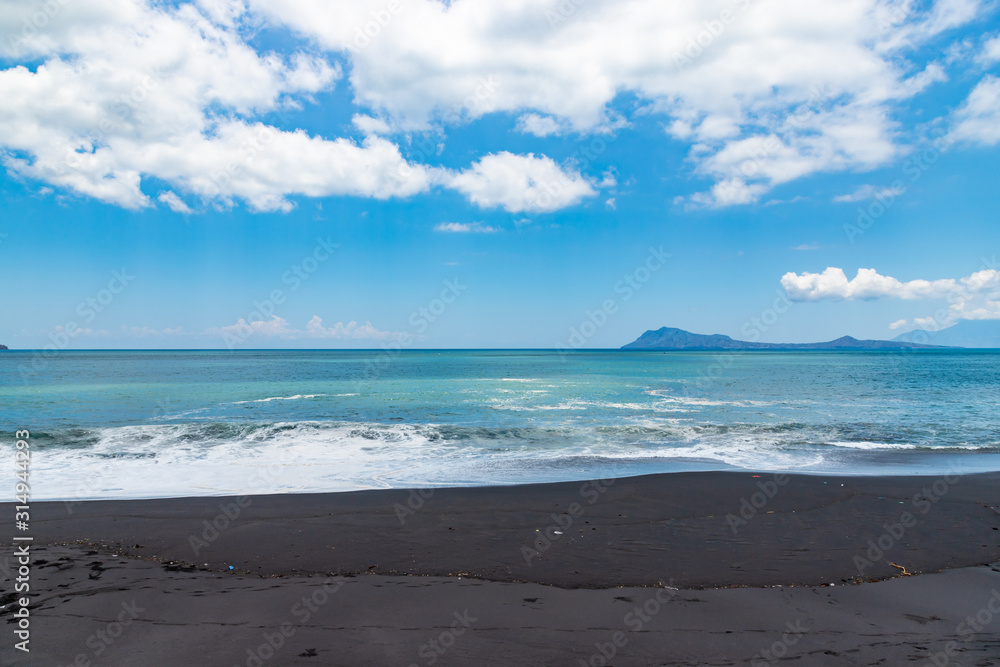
{"x": 178, "y": 423}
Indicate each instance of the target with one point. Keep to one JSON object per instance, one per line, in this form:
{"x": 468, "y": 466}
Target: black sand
{"x": 650, "y": 533}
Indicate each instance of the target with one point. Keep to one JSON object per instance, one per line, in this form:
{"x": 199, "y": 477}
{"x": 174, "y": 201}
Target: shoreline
{"x": 901, "y": 469}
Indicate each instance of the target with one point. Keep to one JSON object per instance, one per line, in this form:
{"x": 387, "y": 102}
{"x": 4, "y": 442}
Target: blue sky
{"x": 494, "y": 174}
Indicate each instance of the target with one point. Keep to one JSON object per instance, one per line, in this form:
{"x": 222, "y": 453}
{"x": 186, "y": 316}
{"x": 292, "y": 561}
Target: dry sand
{"x": 676, "y": 569}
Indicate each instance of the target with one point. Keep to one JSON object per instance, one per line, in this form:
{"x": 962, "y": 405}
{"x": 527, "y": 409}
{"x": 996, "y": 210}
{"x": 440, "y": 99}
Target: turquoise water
{"x": 169, "y": 423}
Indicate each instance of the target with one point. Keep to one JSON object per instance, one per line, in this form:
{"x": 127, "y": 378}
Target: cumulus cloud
{"x": 271, "y": 164}
{"x": 113, "y": 93}
{"x": 540, "y": 126}
{"x": 127, "y": 91}
{"x": 974, "y": 297}
{"x": 370, "y": 125}
{"x": 167, "y": 93}
{"x": 820, "y": 78}
{"x": 173, "y": 202}
{"x": 812, "y": 139}
{"x": 978, "y": 119}
{"x": 465, "y": 228}
{"x": 867, "y": 284}
{"x": 729, "y": 192}
{"x": 521, "y": 183}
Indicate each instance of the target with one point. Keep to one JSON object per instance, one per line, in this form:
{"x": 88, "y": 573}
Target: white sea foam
{"x": 207, "y": 458}
{"x": 666, "y": 396}
{"x": 864, "y": 444}
{"x": 286, "y": 398}
{"x": 747, "y": 454}
{"x": 522, "y": 406}
{"x": 177, "y": 460}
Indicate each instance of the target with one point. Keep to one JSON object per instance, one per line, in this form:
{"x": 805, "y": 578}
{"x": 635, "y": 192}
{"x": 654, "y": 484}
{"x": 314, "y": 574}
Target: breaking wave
{"x": 217, "y": 458}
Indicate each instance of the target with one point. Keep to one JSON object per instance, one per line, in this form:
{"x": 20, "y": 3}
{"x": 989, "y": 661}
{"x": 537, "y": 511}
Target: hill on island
{"x": 669, "y": 338}
{"x": 967, "y": 333}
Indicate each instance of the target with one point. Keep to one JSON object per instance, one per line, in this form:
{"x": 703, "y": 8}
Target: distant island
{"x": 967, "y": 333}
{"x": 669, "y": 338}
{"x": 4, "y": 347}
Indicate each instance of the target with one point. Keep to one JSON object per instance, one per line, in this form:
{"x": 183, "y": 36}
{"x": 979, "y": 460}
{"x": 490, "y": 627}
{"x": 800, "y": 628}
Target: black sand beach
{"x": 685, "y": 569}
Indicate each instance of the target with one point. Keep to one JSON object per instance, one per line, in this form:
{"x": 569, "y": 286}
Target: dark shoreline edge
{"x": 697, "y": 529}
{"x": 952, "y": 456}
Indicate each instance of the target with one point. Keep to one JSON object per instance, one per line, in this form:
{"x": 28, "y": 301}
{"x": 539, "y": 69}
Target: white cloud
{"x": 608, "y": 180}
{"x": 898, "y": 324}
{"x": 147, "y": 332}
{"x": 278, "y": 327}
{"x": 465, "y": 228}
{"x": 610, "y": 204}
{"x": 729, "y": 192}
{"x": 867, "y": 284}
{"x": 173, "y": 202}
{"x": 778, "y": 202}
{"x": 370, "y": 124}
{"x": 540, "y": 126}
{"x": 856, "y": 136}
{"x": 131, "y": 90}
{"x": 902, "y": 25}
{"x": 923, "y": 80}
{"x": 223, "y": 12}
{"x": 127, "y": 91}
{"x": 991, "y": 51}
{"x": 168, "y": 93}
{"x": 271, "y": 164}
{"x": 867, "y": 191}
{"x": 974, "y": 297}
{"x": 572, "y": 68}
{"x": 978, "y": 119}
{"x": 821, "y": 78}
{"x": 520, "y": 183}
{"x": 350, "y": 331}
{"x": 807, "y": 246}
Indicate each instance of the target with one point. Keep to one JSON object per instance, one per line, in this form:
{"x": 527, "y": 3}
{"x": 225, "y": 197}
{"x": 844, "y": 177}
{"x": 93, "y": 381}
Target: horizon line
{"x": 559, "y": 350}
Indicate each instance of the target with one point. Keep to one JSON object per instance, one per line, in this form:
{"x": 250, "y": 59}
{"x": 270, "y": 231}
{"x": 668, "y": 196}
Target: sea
{"x": 153, "y": 424}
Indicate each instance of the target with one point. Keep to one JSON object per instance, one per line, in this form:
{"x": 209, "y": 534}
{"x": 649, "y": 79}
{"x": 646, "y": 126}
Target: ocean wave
{"x": 517, "y": 405}
{"x": 650, "y": 429}
{"x": 668, "y": 397}
{"x": 212, "y": 458}
{"x": 286, "y": 398}
{"x": 864, "y": 444}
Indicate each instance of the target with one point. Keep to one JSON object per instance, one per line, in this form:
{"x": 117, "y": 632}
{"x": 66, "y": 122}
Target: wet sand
{"x": 689, "y": 568}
